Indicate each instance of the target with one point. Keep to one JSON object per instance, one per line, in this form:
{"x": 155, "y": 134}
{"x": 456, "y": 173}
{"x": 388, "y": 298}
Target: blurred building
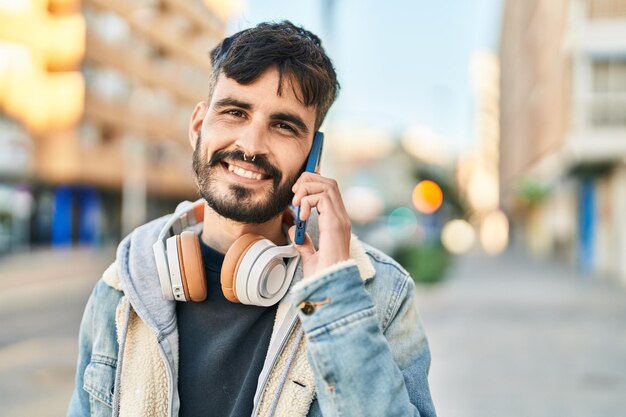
{"x": 96, "y": 99}
{"x": 563, "y": 124}
{"x": 477, "y": 171}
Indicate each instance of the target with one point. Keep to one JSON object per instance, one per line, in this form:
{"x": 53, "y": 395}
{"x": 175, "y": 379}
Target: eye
{"x": 285, "y": 126}
{"x": 235, "y": 113}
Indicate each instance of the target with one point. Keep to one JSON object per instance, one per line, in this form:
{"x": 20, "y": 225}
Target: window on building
{"x": 602, "y": 9}
{"x": 609, "y": 93}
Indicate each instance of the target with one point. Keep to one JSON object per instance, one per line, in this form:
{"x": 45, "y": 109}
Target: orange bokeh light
{"x": 427, "y": 197}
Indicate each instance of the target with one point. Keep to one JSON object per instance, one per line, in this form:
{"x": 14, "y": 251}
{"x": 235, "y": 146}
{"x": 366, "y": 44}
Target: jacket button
{"x": 307, "y": 307}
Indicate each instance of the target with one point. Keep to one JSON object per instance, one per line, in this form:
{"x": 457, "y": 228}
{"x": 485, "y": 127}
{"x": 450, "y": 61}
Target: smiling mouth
{"x": 242, "y": 172}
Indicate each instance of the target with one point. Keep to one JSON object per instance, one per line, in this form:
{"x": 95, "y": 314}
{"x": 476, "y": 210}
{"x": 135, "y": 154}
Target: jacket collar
{"x": 135, "y": 273}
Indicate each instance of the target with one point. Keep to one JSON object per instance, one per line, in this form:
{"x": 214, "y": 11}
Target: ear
{"x": 195, "y": 124}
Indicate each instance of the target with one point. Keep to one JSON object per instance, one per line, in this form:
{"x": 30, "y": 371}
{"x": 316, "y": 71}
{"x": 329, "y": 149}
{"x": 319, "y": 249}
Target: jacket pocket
{"x": 99, "y": 381}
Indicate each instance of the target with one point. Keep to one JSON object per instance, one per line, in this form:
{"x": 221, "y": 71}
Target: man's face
{"x": 276, "y": 131}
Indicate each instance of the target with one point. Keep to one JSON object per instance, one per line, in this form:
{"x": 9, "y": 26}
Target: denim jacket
{"x": 346, "y": 342}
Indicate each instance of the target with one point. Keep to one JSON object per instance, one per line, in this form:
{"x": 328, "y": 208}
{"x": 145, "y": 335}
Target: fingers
{"x": 307, "y": 203}
{"x": 323, "y": 201}
{"x": 309, "y": 184}
{"x": 332, "y": 212}
{"x": 313, "y": 190}
{"x": 307, "y": 248}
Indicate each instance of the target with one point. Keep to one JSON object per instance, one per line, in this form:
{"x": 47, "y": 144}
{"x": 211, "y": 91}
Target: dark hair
{"x": 293, "y": 50}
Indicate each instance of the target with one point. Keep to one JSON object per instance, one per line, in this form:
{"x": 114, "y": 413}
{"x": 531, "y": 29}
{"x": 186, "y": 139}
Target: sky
{"x": 400, "y": 63}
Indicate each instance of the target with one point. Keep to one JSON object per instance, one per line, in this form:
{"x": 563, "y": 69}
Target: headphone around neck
{"x": 254, "y": 271}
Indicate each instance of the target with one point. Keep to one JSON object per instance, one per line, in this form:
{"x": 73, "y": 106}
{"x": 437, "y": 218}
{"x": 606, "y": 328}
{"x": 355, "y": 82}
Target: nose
{"x": 253, "y": 140}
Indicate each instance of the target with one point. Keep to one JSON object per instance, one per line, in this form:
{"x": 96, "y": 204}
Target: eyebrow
{"x": 228, "y": 101}
{"x": 292, "y": 118}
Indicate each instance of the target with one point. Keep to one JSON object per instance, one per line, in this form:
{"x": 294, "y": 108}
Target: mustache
{"x": 260, "y": 162}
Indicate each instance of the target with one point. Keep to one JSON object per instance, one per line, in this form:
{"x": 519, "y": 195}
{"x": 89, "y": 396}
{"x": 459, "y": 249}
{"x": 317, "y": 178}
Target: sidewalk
{"x": 47, "y": 264}
{"x": 42, "y": 297}
{"x": 512, "y": 337}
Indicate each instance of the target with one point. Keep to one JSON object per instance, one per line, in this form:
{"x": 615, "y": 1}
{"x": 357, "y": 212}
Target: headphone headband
{"x": 186, "y": 214}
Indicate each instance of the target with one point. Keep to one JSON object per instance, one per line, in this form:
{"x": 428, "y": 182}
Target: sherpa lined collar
{"x": 357, "y": 253}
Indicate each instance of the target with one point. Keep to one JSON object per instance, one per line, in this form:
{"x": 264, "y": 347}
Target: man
{"x": 355, "y": 345}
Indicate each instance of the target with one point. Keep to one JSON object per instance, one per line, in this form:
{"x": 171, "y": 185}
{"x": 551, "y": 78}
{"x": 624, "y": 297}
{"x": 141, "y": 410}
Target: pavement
{"x": 514, "y": 337}
{"x": 509, "y": 336}
{"x": 42, "y": 297}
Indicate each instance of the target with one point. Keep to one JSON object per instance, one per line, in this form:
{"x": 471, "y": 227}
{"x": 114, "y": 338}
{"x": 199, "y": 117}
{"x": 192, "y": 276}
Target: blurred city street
{"x": 467, "y": 136}
{"x": 509, "y": 336}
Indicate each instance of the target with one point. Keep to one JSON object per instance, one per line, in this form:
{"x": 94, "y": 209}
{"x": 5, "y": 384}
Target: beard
{"x": 238, "y": 204}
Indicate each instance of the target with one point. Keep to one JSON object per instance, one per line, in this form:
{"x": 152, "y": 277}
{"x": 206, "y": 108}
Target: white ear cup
{"x": 174, "y": 267}
{"x": 268, "y": 281}
{"x": 243, "y": 271}
{"x": 269, "y": 286}
{"x": 262, "y": 276}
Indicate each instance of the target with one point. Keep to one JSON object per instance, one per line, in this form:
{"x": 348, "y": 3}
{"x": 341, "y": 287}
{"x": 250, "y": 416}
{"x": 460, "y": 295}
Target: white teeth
{"x": 244, "y": 173}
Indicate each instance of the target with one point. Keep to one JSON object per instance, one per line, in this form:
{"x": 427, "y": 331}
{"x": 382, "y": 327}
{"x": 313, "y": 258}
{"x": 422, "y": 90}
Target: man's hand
{"x": 313, "y": 190}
